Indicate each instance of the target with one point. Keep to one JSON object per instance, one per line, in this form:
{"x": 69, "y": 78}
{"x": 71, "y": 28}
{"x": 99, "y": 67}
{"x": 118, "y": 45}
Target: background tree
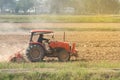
{"x": 7, "y": 4}
{"x": 59, "y": 6}
{"x": 25, "y": 5}
{"x": 56, "y": 6}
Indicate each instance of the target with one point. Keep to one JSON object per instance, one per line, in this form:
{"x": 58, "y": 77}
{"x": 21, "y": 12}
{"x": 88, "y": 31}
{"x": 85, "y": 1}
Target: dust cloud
{"x": 14, "y": 37}
{"x": 10, "y": 47}
{"x": 12, "y": 40}
{"x": 7, "y": 28}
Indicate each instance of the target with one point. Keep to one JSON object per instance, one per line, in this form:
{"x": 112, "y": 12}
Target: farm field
{"x": 90, "y": 47}
{"x": 98, "y": 45}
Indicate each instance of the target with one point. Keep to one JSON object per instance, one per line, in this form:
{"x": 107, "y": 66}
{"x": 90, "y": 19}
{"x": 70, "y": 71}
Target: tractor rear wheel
{"x": 63, "y": 55}
{"x": 35, "y": 53}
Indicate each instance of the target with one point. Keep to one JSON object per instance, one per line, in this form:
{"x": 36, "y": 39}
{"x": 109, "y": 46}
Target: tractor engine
{"x": 56, "y": 44}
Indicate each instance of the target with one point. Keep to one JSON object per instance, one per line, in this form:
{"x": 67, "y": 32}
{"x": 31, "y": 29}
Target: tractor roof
{"x": 41, "y": 31}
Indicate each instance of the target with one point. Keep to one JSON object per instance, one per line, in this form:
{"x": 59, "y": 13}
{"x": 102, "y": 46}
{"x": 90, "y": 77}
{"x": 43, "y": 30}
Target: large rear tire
{"x": 35, "y": 53}
{"x": 63, "y": 55}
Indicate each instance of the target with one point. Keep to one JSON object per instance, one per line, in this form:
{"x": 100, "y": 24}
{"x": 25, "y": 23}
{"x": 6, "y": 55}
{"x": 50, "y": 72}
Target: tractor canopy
{"x": 38, "y": 32}
{"x": 41, "y": 31}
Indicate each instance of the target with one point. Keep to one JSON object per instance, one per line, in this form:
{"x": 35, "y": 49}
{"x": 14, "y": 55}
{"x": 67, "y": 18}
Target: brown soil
{"x": 91, "y": 45}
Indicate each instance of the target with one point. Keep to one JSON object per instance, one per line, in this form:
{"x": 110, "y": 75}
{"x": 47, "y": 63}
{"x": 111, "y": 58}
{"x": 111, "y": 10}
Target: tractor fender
{"x": 63, "y": 45}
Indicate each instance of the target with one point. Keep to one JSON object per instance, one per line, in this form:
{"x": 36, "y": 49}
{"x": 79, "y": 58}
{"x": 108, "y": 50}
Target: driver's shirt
{"x": 41, "y": 39}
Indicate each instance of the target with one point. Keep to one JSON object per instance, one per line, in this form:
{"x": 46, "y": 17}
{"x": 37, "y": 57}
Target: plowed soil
{"x": 92, "y": 45}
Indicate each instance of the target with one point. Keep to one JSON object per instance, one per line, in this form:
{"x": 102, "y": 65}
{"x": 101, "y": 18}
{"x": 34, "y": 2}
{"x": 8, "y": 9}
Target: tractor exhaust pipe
{"x": 64, "y": 37}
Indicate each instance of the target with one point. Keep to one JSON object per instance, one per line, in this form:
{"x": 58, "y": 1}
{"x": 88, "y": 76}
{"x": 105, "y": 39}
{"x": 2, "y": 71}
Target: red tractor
{"x": 36, "y": 51}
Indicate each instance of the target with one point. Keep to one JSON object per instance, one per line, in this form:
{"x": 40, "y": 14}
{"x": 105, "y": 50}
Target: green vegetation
{"x": 62, "y": 76}
{"x": 78, "y": 70}
{"x": 60, "y": 65}
{"x": 58, "y": 18}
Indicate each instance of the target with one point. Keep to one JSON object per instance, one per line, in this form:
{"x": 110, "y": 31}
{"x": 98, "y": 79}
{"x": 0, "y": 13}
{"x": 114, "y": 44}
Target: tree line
{"x": 60, "y": 6}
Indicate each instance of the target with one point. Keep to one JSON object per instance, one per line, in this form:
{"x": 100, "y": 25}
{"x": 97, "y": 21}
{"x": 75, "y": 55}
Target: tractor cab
{"x": 36, "y": 33}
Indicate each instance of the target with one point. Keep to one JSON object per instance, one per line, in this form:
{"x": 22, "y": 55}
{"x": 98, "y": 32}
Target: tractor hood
{"x": 57, "y": 44}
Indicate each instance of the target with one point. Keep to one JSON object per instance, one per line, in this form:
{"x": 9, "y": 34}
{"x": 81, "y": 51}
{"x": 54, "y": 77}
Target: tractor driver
{"x": 41, "y": 38}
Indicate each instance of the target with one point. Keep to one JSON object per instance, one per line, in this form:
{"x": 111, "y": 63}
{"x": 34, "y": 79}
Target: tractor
{"x": 36, "y": 51}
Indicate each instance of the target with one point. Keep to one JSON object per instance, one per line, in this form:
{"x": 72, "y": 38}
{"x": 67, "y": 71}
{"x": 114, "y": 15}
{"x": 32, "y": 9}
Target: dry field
{"x": 92, "y": 45}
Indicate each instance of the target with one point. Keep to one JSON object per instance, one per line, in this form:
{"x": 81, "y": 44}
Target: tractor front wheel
{"x": 63, "y": 55}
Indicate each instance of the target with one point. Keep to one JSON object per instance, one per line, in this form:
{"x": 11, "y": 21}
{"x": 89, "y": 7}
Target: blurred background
{"x": 74, "y": 7}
